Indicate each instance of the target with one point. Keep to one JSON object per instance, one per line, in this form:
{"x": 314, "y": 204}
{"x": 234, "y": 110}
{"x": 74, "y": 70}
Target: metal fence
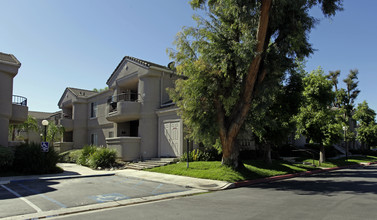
{"x": 19, "y": 100}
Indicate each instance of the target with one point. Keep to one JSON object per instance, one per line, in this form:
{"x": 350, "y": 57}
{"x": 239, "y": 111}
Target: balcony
{"x": 67, "y": 123}
{"x": 127, "y": 148}
{"x": 123, "y": 107}
{"x": 19, "y": 109}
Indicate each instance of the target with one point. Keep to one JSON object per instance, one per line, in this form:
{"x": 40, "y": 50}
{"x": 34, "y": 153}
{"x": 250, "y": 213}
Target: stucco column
{"x": 7, "y": 72}
{"x": 80, "y": 126}
{"x": 149, "y": 88}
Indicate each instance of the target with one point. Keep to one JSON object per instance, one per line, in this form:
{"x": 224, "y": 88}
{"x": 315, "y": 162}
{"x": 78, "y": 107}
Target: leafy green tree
{"x": 30, "y": 124}
{"x": 316, "y": 120}
{"x": 345, "y": 100}
{"x": 367, "y": 127}
{"x": 227, "y": 56}
{"x": 272, "y": 122}
{"x": 101, "y": 90}
{"x": 54, "y": 132}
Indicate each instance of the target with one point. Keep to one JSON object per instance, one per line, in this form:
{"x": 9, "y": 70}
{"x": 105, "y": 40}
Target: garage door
{"x": 171, "y": 141}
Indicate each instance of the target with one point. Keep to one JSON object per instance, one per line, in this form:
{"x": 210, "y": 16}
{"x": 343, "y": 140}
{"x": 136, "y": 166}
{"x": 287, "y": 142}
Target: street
{"x": 342, "y": 194}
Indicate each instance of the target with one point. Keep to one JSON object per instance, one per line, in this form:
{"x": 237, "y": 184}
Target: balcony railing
{"x": 19, "y": 100}
{"x": 128, "y": 97}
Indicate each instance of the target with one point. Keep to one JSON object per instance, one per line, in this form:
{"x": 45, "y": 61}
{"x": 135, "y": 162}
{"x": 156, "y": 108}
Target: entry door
{"x": 171, "y": 140}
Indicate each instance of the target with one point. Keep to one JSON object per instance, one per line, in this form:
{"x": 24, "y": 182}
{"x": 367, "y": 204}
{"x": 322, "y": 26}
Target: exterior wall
{"x": 7, "y": 73}
{"x": 170, "y": 144}
{"x": 80, "y": 120}
{"x": 149, "y": 87}
{"x": 99, "y": 125}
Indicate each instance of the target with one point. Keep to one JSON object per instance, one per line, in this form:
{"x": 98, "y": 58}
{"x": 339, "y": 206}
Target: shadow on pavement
{"x": 357, "y": 180}
{"x": 26, "y": 188}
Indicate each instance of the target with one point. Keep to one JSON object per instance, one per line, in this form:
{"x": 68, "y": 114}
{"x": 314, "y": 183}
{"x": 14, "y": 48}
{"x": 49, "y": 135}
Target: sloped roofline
{"x": 145, "y": 64}
{"x": 9, "y": 59}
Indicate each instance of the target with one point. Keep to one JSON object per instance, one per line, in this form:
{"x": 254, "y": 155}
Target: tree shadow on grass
{"x": 256, "y": 169}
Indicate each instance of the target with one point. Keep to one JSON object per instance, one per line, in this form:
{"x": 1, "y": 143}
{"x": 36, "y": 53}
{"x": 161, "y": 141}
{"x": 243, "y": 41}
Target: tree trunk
{"x": 229, "y": 127}
{"x": 231, "y": 155}
{"x": 267, "y": 153}
{"x": 13, "y": 133}
{"x": 321, "y": 154}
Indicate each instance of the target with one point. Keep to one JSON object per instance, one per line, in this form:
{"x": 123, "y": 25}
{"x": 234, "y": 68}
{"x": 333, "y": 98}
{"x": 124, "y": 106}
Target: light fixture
{"x": 45, "y": 122}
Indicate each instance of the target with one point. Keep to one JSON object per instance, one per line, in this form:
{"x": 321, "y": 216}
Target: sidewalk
{"x": 72, "y": 170}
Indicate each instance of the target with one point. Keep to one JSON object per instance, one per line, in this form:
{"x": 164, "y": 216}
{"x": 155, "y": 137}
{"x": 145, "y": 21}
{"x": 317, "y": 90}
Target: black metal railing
{"x": 128, "y": 96}
{"x": 19, "y": 100}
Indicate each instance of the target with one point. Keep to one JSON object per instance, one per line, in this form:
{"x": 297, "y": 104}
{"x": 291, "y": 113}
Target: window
{"x": 93, "y": 139}
{"x": 93, "y": 109}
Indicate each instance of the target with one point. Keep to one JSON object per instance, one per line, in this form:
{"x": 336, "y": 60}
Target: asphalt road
{"x": 342, "y": 194}
{"x": 38, "y": 196}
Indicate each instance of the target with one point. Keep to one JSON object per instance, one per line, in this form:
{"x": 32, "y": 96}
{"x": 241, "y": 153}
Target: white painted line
{"x": 23, "y": 199}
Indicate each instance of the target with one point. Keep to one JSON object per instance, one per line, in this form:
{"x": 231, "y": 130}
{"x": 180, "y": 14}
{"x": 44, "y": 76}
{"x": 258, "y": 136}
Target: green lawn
{"x": 214, "y": 170}
{"x": 254, "y": 169}
{"x": 342, "y": 162}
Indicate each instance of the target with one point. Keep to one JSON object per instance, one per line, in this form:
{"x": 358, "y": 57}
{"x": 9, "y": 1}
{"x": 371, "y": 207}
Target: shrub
{"x": 29, "y": 159}
{"x": 71, "y": 156}
{"x": 209, "y": 154}
{"x": 102, "y": 157}
{"x": 86, "y": 151}
{"x": 6, "y": 157}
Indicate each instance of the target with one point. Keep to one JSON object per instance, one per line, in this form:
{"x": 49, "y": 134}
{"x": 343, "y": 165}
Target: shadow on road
{"x": 356, "y": 180}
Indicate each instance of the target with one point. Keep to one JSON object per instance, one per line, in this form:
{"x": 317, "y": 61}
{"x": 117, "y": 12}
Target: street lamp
{"x": 45, "y": 124}
{"x": 345, "y": 130}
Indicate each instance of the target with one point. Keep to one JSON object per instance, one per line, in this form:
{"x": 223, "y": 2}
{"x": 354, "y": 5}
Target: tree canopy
{"x": 227, "y": 57}
{"x": 316, "y": 120}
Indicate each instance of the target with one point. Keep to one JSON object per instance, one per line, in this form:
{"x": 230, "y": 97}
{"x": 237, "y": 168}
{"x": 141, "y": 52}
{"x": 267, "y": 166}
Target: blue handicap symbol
{"x": 109, "y": 197}
{"x": 44, "y": 146}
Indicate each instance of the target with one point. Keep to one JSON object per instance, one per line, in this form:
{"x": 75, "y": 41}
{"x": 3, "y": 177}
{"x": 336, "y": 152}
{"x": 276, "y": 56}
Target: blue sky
{"x": 79, "y": 43}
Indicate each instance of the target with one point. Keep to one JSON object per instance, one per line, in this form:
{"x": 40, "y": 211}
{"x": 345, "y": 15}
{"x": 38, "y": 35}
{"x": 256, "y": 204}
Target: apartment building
{"x": 13, "y": 109}
{"x": 134, "y": 115}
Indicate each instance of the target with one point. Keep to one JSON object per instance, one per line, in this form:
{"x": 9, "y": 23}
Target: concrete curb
{"x": 288, "y": 176}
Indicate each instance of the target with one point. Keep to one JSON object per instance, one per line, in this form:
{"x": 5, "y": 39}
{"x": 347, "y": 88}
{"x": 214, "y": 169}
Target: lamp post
{"x": 345, "y": 130}
{"x": 45, "y": 124}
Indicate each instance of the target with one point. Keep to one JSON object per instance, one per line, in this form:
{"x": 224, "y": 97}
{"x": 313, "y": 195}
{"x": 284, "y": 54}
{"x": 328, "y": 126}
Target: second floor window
{"x": 93, "y": 109}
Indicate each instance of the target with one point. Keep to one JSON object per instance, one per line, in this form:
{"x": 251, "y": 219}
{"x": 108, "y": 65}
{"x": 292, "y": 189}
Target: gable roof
{"x": 9, "y": 58}
{"x": 144, "y": 63}
{"x": 82, "y": 92}
{"x": 42, "y": 115}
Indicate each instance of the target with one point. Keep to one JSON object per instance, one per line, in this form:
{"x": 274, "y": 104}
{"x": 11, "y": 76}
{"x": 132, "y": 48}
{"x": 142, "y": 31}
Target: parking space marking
{"x": 23, "y": 199}
{"x": 159, "y": 186}
{"x": 109, "y": 197}
{"x": 139, "y": 183}
{"x": 43, "y": 196}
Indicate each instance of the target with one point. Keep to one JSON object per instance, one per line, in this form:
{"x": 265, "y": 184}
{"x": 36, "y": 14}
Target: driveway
{"x": 342, "y": 194}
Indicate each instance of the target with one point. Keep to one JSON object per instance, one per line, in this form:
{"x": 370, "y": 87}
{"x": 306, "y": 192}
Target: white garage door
{"x": 171, "y": 141}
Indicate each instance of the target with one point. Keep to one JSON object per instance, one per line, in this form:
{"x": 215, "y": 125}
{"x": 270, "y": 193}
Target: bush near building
{"x": 91, "y": 156}
{"x": 27, "y": 159}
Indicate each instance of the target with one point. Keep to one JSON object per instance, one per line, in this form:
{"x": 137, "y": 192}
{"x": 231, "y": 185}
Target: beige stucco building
{"x": 13, "y": 109}
{"x": 134, "y": 115}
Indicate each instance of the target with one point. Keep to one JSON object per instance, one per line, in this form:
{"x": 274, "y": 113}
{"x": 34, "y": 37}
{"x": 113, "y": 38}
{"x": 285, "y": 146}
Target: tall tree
{"x": 227, "y": 57}
{"x": 316, "y": 120}
{"x": 345, "y": 100}
{"x": 367, "y": 127}
{"x": 272, "y": 114}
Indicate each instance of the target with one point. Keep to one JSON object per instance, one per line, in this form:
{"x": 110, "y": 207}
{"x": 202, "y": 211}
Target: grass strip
{"x": 253, "y": 169}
